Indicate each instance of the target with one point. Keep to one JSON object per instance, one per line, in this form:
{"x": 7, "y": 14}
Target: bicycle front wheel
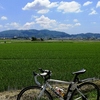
{"x": 32, "y": 93}
{"x": 86, "y": 91}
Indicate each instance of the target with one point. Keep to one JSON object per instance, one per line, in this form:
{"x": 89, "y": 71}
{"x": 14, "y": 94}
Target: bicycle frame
{"x": 71, "y": 85}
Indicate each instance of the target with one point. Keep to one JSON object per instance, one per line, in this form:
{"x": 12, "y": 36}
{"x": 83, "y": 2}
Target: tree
{"x": 34, "y": 38}
{"x": 41, "y": 39}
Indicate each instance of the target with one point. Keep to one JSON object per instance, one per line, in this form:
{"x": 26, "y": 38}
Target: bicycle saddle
{"x": 80, "y": 71}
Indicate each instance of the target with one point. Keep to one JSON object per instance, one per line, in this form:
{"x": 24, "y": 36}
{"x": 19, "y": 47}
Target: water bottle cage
{"x": 60, "y": 91}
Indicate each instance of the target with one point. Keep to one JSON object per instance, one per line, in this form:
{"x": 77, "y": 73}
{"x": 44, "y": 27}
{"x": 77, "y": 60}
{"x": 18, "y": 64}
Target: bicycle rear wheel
{"x": 86, "y": 91}
{"x": 32, "y": 93}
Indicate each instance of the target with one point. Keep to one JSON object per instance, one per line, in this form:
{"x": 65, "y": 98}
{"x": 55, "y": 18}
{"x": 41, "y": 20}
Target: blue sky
{"x": 70, "y": 16}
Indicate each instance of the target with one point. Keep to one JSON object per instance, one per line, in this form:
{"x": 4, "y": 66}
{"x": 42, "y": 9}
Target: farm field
{"x": 19, "y": 59}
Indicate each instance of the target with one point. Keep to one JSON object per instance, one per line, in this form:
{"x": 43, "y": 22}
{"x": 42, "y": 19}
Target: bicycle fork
{"x": 41, "y": 92}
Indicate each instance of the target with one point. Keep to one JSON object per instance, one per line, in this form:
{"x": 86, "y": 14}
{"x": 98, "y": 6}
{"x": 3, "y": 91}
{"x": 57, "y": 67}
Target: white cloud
{"x": 93, "y": 12}
{"x": 4, "y": 18}
{"x": 12, "y": 25}
{"x": 63, "y": 27}
{"x": 36, "y": 5}
{"x": 28, "y": 25}
{"x": 15, "y": 25}
{"x": 33, "y": 16}
{"x": 1, "y": 7}
{"x": 98, "y": 4}
{"x": 69, "y": 7}
{"x": 77, "y": 24}
{"x": 42, "y": 6}
{"x": 43, "y": 11}
{"x": 45, "y": 22}
{"x": 53, "y": 4}
{"x": 1, "y": 26}
{"x": 93, "y": 22}
{"x": 75, "y": 20}
{"x": 87, "y": 3}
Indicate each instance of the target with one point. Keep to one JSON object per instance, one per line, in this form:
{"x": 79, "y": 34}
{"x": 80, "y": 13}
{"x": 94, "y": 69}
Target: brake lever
{"x": 41, "y": 70}
{"x": 34, "y": 73}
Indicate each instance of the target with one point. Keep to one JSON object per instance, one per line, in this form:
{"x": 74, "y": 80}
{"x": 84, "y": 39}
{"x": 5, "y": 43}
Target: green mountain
{"x": 46, "y": 34}
{"x": 33, "y": 33}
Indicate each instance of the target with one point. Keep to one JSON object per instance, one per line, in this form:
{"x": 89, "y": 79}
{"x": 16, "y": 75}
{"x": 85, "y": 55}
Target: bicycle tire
{"x": 88, "y": 89}
{"x": 31, "y": 93}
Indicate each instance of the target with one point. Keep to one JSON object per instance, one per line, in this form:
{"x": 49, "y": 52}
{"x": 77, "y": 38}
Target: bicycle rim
{"x": 87, "y": 91}
{"x": 32, "y": 93}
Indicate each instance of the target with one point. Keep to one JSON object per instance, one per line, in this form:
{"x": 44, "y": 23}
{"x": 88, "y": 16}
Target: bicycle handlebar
{"x": 45, "y": 74}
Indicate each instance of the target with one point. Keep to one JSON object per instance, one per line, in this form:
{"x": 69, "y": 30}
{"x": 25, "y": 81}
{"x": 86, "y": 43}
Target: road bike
{"x": 77, "y": 89}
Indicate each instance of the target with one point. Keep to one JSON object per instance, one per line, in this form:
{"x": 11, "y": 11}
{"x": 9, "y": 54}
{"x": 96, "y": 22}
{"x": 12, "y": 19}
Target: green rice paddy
{"x": 19, "y": 59}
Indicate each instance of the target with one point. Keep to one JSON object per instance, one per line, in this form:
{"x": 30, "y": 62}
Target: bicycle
{"x": 77, "y": 89}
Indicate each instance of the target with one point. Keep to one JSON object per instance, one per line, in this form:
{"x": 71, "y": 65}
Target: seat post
{"x": 76, "y": 79}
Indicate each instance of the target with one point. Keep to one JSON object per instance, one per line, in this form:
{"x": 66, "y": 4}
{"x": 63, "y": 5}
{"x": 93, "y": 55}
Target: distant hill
{"x": 87, "y": 36}
{"x": 45, "y": 34}
{"x": 33, "y": 33}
